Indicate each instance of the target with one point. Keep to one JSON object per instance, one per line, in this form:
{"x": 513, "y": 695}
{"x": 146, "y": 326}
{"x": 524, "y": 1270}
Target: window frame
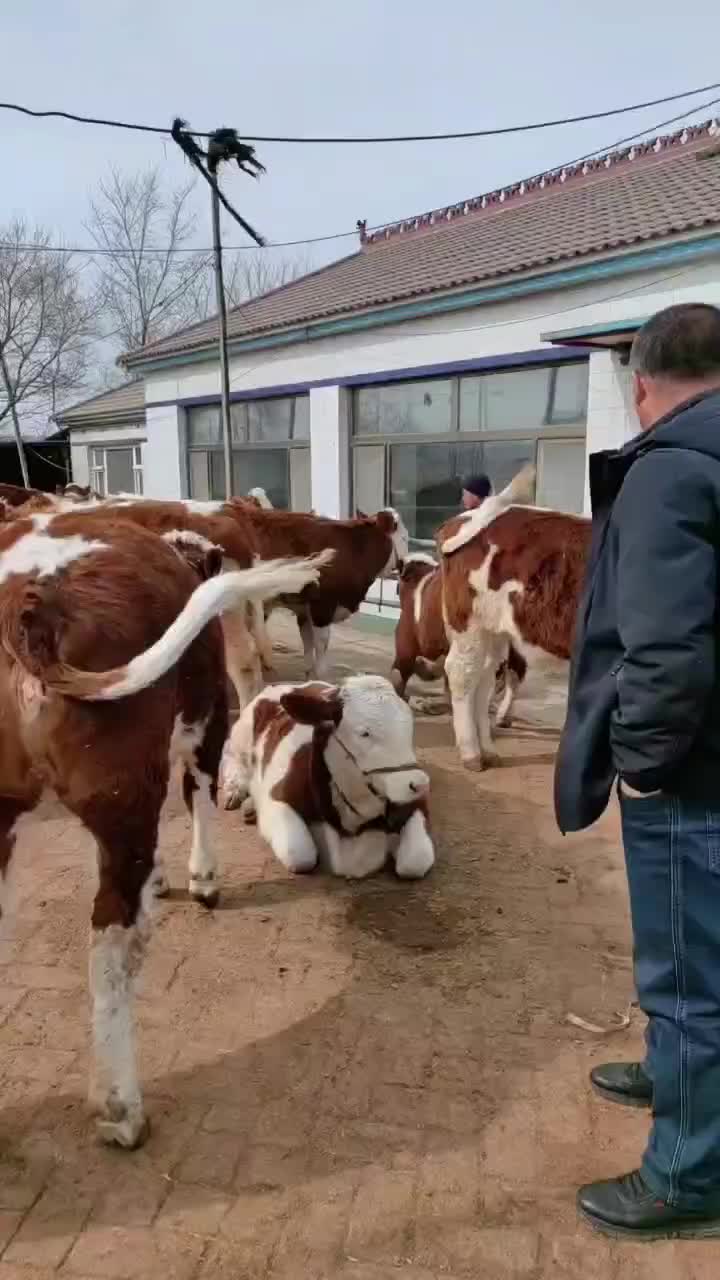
{"x": 240, "y": 442}
{"x": 97, "y": 472}
{"x": 564, "y": 429}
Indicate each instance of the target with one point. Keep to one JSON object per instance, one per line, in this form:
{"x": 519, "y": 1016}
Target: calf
{"x": 110, "y": 662}
{"x": 510, "y": 574}
{"x": 331, "y": 772}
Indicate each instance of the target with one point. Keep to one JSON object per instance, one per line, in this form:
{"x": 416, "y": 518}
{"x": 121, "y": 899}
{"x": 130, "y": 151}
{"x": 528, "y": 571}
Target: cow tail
{"x": 33, "y": 641}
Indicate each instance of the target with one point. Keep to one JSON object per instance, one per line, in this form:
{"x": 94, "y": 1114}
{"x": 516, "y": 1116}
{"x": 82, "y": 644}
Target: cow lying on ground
{"x": 331, "y": 774}
{"x": 509, "y": 575}
{"x": 110, "y": 662}
{"x": 421, "y": 643}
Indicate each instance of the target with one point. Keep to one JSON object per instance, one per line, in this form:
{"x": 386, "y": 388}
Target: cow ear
{"x": 314, "y": 706}
{"x": 361, "y": 515}
{"x": 386, "y": 521}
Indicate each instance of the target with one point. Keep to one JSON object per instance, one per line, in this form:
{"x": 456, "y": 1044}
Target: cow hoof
{"x": 234, "y": 797}
{"x": 159, "y": 886}
{"x": 478, "y": 764}
{"x": 128, "y": 1132}
{"x": 248, "y": 811}
{"x": 207, "y": 894}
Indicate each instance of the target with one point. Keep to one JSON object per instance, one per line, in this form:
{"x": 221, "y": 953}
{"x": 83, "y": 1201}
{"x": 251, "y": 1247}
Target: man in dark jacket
{"x": 644, "y": 707}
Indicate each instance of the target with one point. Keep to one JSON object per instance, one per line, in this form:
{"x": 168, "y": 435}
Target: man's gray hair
{"x": 681, "y": 342}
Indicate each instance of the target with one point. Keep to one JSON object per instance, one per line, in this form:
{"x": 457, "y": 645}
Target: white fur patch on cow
{"x": 39, "y": 554}
{"x": 202, "y": 508}
{"x": 421, "y": 557}
{"x": 418, "y": 598}
{"x": 192, "y": 538}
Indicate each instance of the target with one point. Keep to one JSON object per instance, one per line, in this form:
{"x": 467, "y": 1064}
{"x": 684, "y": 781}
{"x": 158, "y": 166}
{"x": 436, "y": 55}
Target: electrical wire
{"x": 379, "y": 226}
{"x": 369, "y": 139}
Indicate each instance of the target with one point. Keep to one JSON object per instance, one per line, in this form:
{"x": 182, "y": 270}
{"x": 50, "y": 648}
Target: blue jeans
{"x": 672, "y": 851}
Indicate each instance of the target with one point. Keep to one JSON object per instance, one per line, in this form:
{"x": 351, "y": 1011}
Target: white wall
{"x": 81, "y": 439}
{"x": 330, "y": 451}
{"x": 494, "y": 329}
{"x": 161, "y": 454}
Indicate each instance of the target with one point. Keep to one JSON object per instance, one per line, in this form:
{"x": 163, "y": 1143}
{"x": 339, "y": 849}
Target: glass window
{"x": 203, "y": 425}
{"x": 401, "y": 408}
{"x": 569, "y": 393}
{"x": 263, "y": 468}
{"x": 270, "y": 421}
{"x": 301, "y": 423}
{"x": 426, "y": 479}
{"x": 513, "y": 401}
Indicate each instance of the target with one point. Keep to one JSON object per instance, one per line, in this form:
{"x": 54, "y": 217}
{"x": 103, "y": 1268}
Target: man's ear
{"x": 313, "y": 704}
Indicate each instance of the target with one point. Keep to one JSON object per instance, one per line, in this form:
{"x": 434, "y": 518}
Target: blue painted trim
{"x": 542, "y": 355}
{"x": 604, "y": 269}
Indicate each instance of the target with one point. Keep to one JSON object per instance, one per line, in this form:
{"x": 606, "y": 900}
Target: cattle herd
{"x": 122, "y": 620}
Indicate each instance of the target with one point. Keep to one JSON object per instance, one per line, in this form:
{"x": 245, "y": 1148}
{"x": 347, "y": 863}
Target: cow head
{"x": 418, "y": 565}
{"x": 369, "y": 750}
{"x": 203, "y": 556}
{"x": 391, "y": 523}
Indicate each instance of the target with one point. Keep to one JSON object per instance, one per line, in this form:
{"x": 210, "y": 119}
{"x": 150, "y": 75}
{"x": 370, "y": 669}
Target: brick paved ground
{"x": 366, "y": 1082}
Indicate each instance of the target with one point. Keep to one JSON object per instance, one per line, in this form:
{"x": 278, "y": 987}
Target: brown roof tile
{"x": 661, "y": 188}
{"x": 128, "y": 400}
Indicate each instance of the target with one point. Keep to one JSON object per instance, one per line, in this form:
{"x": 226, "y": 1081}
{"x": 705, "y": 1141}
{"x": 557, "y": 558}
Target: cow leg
{"x": 307, "y": 635}
{"x": 503, "y": 714}
{"x": 288, "y": 836}
{"x": 322, "y": 641}
{"x": 415, "y": 853}
{"x": 200, "y": 784}
{"x": 461, "y": 670}
{"x": 402, "y": 670}
{"x": 263, "y": 642}
{"x": 241, "y": 656}
{"x": 237, "y": 766}
{"x": 355, "y": 857}
{"x": 126, "y": 839}
{"x": 11, "y": 809}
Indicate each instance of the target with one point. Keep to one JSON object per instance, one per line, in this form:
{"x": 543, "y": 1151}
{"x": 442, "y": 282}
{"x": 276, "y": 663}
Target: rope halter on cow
{"x": 354, "y": 797}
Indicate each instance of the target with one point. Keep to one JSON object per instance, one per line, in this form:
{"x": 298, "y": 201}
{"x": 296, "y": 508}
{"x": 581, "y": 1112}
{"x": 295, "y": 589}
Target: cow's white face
{"x": 392, "y": 524}
{"x": 376, "y": 727}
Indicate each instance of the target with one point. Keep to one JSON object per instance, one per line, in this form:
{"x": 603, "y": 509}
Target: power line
{"x": 348, "y": 141}
{"x": 379, "y": 226}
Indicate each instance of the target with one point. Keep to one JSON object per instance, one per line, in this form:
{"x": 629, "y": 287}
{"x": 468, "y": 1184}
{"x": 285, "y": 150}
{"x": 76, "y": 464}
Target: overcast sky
{"x": 331, "y": 66}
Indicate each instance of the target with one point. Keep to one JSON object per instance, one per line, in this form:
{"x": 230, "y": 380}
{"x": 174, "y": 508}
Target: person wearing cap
{"x": 475, "y": 489}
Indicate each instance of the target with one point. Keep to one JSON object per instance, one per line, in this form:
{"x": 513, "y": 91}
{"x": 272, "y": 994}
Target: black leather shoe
{"x": 623, "y": 1082}
{"x": 627, "y": 1207}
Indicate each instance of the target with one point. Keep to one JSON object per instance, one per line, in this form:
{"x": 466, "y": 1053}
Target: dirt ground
{"x": 348, "y": 1081}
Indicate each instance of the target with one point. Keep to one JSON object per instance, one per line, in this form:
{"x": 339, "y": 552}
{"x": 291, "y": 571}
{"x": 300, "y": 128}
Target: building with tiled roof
{"x": 473, "y": 337}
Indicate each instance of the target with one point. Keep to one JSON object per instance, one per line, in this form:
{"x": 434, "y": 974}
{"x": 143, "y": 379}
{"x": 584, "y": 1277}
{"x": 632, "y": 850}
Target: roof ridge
{"x": 540, "y": 181}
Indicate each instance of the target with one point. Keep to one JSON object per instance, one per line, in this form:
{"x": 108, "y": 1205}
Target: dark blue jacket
{"x": 644, "y": 696}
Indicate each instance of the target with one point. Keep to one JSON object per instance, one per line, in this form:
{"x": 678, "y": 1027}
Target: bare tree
{"x": 253, "y": 273}
{"x": 46, "y": 326}
{"x": 247, "y": 274}
{"x": 148, "y": 286}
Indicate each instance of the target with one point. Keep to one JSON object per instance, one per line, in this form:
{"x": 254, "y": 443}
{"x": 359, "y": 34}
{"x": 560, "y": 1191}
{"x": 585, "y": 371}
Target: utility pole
{"x": 222, "y": 316}
{"x": 223, "y": 145}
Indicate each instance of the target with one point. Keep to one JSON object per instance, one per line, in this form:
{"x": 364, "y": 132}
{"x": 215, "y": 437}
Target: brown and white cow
{"x": 247, "y": 531}
{"x": 509, "y": 575}
{"x": 111, "y": 661}
{"x": 421, "y": 643}
{"x": 331, "y": 773}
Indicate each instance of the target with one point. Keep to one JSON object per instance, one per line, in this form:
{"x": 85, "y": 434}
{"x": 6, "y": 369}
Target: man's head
{"x": 675, "y": 356}
{"x": 475, "y": 489}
